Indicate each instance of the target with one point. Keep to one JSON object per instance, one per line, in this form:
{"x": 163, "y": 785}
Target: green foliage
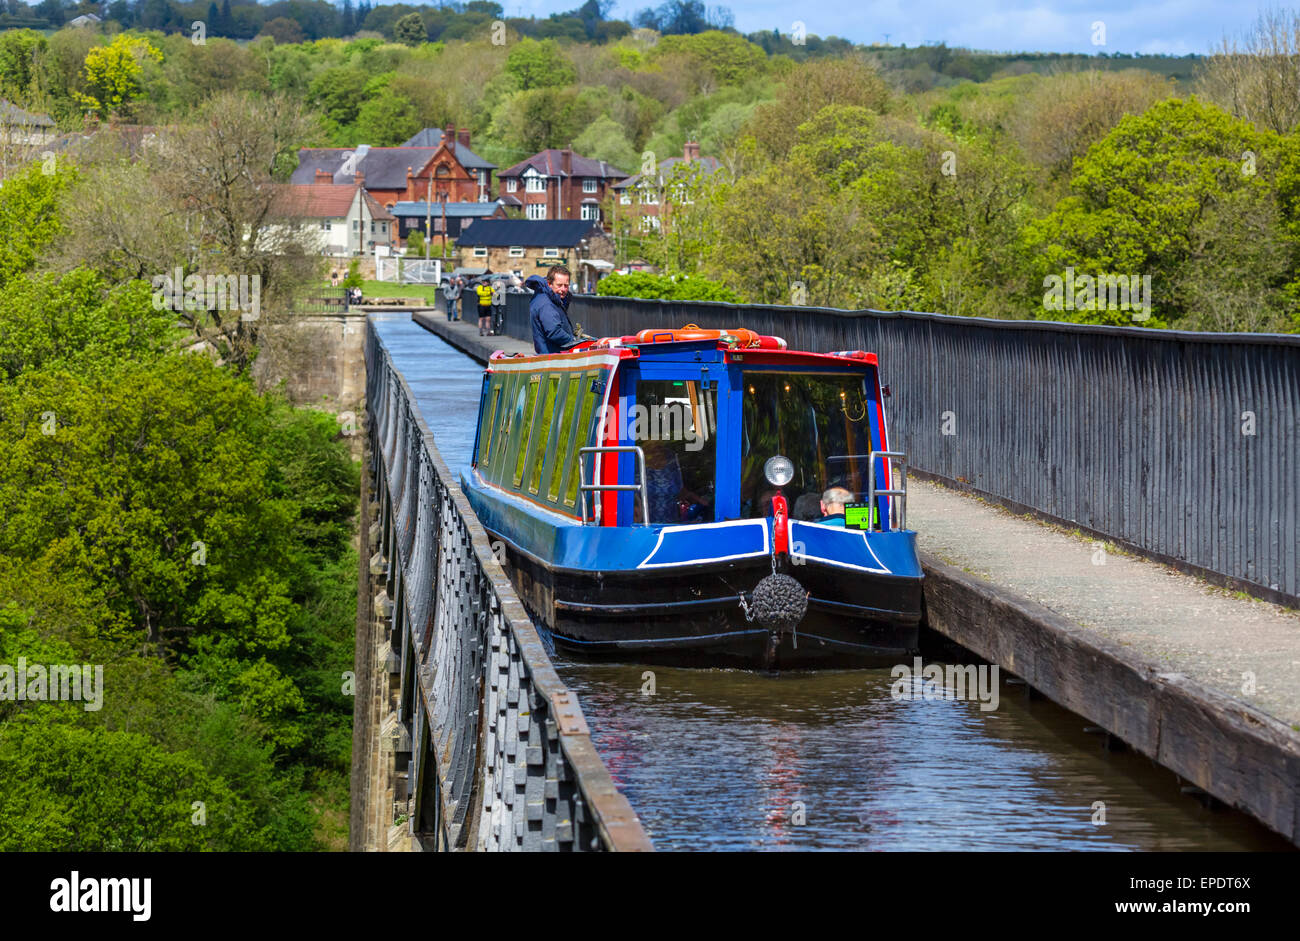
{"x": 92, "y": 790}
{"x": 1145, "y": 198}
{"x": 605, "y": 139}
{"x": 727, "y": 57}
{"x": 682, "y": 288}
{"x": 20, "y": 50}
{"x": 410, "y": 30}
{"x": 113, "y": 73}
{"x": 353, "y": 279}
{"x": 534, "y": 64}
{"x": 387, "y": 119}
{"x": 78, "y": 322}
{"x": 29, "y": 217}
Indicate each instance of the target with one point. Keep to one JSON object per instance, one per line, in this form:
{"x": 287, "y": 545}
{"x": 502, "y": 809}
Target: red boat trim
{"x": 780, "y": 525}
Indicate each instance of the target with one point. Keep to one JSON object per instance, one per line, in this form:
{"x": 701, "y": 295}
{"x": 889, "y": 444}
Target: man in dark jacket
{"x": 549, "y": 311}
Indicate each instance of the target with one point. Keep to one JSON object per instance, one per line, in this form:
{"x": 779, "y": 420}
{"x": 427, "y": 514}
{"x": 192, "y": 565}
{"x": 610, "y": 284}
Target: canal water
{"x": 739, "y": 760}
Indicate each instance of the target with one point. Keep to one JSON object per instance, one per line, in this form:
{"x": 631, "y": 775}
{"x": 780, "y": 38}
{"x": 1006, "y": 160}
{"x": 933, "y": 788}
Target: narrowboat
{"x": 701, "y": 498}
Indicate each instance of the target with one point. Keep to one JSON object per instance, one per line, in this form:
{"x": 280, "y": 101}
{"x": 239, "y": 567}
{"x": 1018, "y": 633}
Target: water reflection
{"x": 728, "y": 759}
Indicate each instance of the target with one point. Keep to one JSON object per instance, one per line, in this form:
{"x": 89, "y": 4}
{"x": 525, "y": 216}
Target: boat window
{"x": 489, "y": 413}
{"x": 819, "y": 421}
{"x": 542, "y": 435}
{"x": 502, "y": 434}
{"x": 675, "y": 423}
{"x": 582, "y": 434}
{"x": 523, "y": 423}
{"x": 563, "y": 435}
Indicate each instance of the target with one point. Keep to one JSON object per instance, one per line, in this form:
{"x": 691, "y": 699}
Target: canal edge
{"x": 1240, "y": 755}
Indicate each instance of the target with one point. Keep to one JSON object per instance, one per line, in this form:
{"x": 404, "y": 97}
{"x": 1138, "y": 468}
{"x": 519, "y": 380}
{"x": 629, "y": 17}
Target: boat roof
{"x": 614, "y": 349}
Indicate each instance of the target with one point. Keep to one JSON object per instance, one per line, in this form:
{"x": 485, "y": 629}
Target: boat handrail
{"x": 584, "y": 488}
{"x": 872, "y": 492}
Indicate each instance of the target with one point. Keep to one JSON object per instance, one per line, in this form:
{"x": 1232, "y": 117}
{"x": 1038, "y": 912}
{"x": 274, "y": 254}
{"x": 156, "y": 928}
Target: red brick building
{"x": 433, "y": 164}
{"x": 648, "y": 197}
{"x": 559, "y": 185}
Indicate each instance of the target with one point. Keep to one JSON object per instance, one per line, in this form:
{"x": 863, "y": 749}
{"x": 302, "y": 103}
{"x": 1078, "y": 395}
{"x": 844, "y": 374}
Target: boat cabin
{"x": 688, "y": 427}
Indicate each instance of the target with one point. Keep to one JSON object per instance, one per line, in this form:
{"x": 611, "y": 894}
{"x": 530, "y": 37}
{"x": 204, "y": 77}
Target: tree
{"x": 810, "y": 88}
{"x": 387, "y": 119}
{"x": 222, "y": 173}
{"x": 113, "y": 72}
{"x": 20, "y": 49}
{"x": 530, "y": 121}
{"x": 1143, "y": 196}
{"x": 283, "y": 30}
{"x": 534, "y": 64}
{"x": 337, "y": 92}
{"x": 92, "y": 790}
{"x": 1256, "y": 78}
{"x": 775, "y": 243}
{"x": 1064, "y": 115}
{"x": 353, "y": 278}
{"x": 410, "y": 30}
{"x": 604, "y": 139}
{"x": 729, "y": 58}
{"x": 29, "y": 217}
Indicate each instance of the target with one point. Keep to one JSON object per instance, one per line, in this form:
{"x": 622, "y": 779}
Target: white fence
{"x": 409, "y": 270}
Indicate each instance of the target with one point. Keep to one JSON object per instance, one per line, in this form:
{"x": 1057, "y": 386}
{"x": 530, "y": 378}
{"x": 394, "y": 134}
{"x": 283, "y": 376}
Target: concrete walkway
{"x": 464, "y": 335}
{"x": 1174, "y": 621}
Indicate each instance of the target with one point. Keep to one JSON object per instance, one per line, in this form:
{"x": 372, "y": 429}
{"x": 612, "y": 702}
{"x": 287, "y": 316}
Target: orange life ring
{"x": 740, "y": 337}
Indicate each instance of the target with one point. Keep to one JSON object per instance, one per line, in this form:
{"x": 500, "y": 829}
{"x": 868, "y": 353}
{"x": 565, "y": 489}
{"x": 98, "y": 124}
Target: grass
{"x": 428, "y": 292}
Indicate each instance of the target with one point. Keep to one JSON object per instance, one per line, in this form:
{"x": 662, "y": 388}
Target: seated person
{"x": 807, "y": 507}
{"x": 832, "y": 504}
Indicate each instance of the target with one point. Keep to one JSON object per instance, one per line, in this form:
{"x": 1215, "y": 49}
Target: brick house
{"x": 529, "y": 247}
{"x": 559, "y": 185}
{"x": 433, "y": 164}
{"x": 643, "y": 199}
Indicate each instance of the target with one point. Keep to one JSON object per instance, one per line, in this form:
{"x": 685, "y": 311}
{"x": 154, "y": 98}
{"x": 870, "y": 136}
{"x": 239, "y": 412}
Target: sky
{"x": 1146, "y": 26}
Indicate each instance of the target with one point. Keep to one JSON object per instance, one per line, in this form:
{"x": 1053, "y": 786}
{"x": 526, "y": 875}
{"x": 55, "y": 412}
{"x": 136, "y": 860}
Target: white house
{"x": 343, "y": 218}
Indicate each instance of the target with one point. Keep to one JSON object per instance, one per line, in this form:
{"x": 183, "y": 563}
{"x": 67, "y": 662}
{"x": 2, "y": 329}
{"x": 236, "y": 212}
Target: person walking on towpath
{"x": 484, "y": 292}
{"x": 452, "y": 293}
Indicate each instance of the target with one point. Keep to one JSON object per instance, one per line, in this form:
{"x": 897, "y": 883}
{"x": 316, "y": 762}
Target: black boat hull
{"x": 692, "y": 615}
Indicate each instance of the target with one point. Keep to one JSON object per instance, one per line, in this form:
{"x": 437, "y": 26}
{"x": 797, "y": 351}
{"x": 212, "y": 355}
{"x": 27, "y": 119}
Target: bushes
{"x": 680, "y": 288}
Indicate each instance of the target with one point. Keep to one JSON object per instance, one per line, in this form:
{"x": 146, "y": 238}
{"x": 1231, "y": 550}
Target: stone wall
{"x": 319, "y": 358}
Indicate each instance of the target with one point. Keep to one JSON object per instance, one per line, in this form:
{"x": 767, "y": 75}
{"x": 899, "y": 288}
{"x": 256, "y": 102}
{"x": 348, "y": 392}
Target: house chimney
{"x": 463, "y": 136}
{"x": 410, "y": 184}
{"x": 692, "y": 151}
{"x": 566, "y": 160}
{"x": 360, "y": 177}
{"x": 449, "y": 135}
{"x": 324, "y": 176}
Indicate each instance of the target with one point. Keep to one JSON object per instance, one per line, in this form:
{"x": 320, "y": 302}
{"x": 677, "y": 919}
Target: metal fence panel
{"x": 510, "y": 762}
